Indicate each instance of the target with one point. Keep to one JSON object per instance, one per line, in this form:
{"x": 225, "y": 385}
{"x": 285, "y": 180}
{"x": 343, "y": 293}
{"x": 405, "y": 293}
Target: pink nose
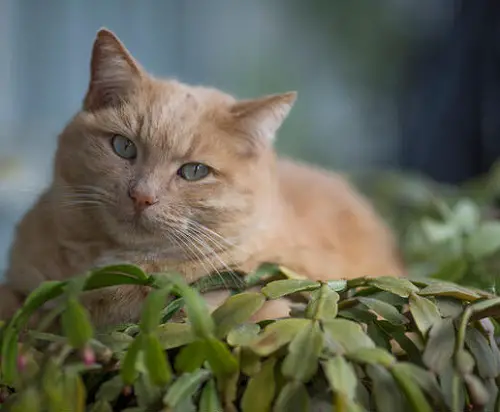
{"x": 142, "y": 200}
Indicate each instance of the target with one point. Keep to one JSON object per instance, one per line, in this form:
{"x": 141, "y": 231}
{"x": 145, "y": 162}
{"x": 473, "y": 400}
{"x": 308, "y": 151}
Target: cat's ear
{"x": 113, "y": 72}
{"x": 264, "y": 116}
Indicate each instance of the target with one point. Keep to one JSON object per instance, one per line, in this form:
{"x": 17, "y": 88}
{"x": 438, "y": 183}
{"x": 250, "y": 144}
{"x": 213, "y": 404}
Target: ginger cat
{"x": 171, "y": 176}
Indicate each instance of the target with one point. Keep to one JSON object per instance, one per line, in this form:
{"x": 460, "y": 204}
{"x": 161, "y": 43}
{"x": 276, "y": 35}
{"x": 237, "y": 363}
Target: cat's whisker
{"x": 191, "y": 243}
{"x": 86, "y": 197}
{"x": 198, "y": 256}
{"x": 85, "y": 192}
{"x": 199, "y": 238}
{"x": 208, "y": 234}
{"x": 212, "y": 233}
{"x": 80, "y": 202}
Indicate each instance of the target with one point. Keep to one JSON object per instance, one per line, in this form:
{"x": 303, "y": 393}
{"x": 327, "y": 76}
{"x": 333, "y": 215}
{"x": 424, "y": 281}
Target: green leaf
{"x": 493, "y": 391}
{"x": 9, "y": 356}
{"x": 128, "y": 367}
{"x": 482, "y": 353}
{"x": 476, "y": 389}
{"x": 384, "y": 310}
{"x": 358, "y": 314}
{"x": 229, "y": 386}
{"x": 424, "y": 312}
{"x": 249, "y": 361}
{"x": 76, "y": 323}
{"x": 151, "y": 310}
{"x": 145, "y": 392}
{"x": 229, "y": 279}
{"x": 110, "y": 390}
{"x": 466, "y": 215}
{"x": 191, "y": 357}
{"x": 116, "y": 275}
{"x": 74, "y": 390}
{"x": 156, "y": 361}
{"x": 440, "y": 346}
{"x": 412, "y": 350}
{"x": 464, "y": 362}
{"x": 301, "y": 362}
{"x": 483, "y": 308}
{"x": 347, "y": 333}
{"x": 399, "y": 286}
{"x": 347, "y": 405}
{"x": 209, "y": 401}
{"x": 185, "y": 387}
{"x": 449, "y": 289}
{"x": 425, "y": 379}
{"x": 323, "y": 304}
{"x": 260, "y": 390}
{"x": 293, "y": 398}
{"x": 341, "y": 376}
{"x": 264, "y": 271}
{"x": 276, "y": 335}
{"x": 46, "y": 291}
{"x": 236, "y": 310}
{"x": 387, "y": 297}
{"x": 485, "y": 240}
{"x": 172, "y": 335}
{"x": 438, "y": 232}
{"x": 202, "y": 323}
{"x": 51, "y": 385}
{"x": 449, "y": 307}
{"x": 221, "y": 360}
{"x": 290, "y": 274}
{"x": 452, "y": 388}
{"x": 280, "y": 288}
{"x": 452, "y": 271}
{"x": 75, "y": 285}
{"x": 378, "y": 335}
{"x": 186, "y": 405}
{"x": 412, "y": 391}
{"x": 28, "y": 401}
{"x": 243, "y": 334}
{"x": 385, "y": 391}
{"x": 101, "y": 406}
{"x": 372, "y": 356}
{"x": 172, "y": 308}
{"x": 337, "y": 285}
{"x": 115, "y": 341}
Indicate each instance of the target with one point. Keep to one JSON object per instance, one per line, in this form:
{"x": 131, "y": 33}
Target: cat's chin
{"x": 137, "y": 242}
{"x": 137, "y": 226}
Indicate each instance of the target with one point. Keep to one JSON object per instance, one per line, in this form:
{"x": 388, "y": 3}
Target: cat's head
{"x": 159, "y": 161}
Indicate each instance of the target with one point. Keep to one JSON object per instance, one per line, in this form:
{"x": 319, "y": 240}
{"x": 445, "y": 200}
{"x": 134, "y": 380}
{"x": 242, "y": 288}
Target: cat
{"x": 170, "y": 176}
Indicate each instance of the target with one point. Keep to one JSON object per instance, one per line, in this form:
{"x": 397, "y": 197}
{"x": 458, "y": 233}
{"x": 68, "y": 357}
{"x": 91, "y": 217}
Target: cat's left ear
{"x": 113, "y": 72}
{"x": 265, "y": 115}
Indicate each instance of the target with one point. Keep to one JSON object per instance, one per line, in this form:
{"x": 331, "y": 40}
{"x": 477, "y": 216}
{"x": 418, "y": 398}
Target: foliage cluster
{"x": 426, "y": 343}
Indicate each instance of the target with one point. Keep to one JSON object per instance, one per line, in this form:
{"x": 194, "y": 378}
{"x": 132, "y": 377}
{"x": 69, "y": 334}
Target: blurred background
{"x": 386, "y": 85}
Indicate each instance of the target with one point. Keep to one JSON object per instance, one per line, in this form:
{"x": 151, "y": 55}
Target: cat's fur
{"x": 254, "y": 208}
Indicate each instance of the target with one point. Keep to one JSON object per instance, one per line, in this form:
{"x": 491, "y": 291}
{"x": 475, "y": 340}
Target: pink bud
{"x": 127, "y": 391}
{"x": 21, "y": 362}
{"x": 88, "y": 356}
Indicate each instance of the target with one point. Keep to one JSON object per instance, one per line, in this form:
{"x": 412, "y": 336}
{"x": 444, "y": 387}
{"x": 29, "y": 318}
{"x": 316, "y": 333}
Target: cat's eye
{"x": 124, "y": 147}
{"x": 193, "y": 171}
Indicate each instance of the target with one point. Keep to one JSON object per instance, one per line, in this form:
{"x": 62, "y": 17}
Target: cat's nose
{"x": 142, "y": 199}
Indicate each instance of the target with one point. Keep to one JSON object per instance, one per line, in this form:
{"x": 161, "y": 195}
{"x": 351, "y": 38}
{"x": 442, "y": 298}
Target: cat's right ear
{"x": 113, "y": 72}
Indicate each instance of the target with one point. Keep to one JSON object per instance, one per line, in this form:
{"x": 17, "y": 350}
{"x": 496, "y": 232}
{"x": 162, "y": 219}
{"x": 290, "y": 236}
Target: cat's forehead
{"x": 169, "y": 115}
